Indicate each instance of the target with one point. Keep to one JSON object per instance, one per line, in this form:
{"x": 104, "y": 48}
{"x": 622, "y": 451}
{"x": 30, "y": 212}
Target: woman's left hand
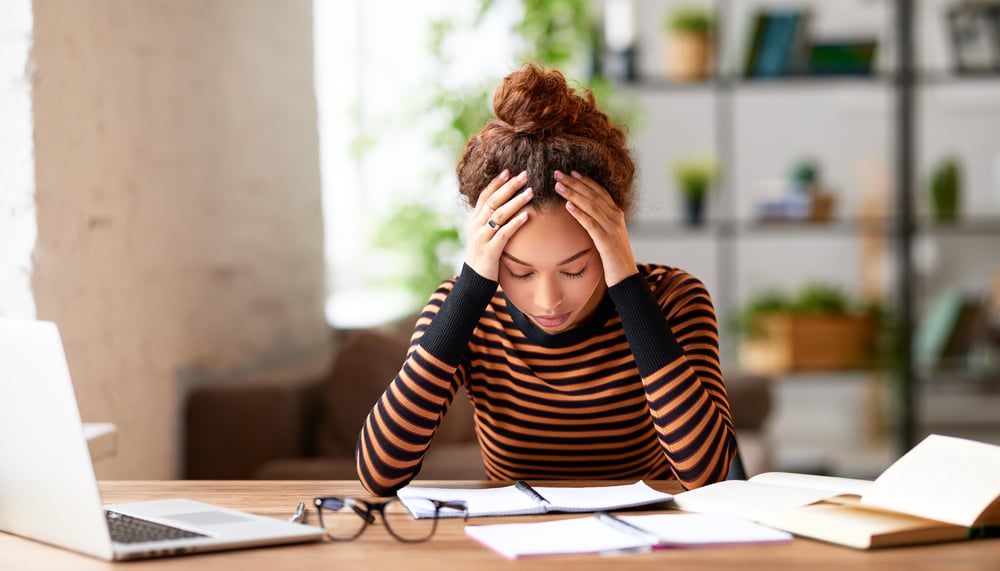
{"x": 591, "y": 205}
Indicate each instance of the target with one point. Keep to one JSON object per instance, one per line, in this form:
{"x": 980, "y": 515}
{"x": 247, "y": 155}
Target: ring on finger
{"x": 492, "y": 224}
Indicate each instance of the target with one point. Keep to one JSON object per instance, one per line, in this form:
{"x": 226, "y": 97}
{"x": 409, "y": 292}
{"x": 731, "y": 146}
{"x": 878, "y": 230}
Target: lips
{"x": 552, "y": 321}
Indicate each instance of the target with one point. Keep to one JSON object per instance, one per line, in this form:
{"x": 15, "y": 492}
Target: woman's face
{"x": 551, "y": 270}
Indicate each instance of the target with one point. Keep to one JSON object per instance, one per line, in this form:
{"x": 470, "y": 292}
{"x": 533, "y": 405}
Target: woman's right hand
{"x": 497, "y": 216}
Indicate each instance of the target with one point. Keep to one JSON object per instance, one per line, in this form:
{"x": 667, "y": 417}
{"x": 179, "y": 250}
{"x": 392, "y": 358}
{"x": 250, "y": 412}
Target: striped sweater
{"x": 634, "y": 392}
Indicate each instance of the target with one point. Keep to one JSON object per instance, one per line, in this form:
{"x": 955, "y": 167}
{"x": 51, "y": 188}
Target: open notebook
{"x": 48, "y": 491}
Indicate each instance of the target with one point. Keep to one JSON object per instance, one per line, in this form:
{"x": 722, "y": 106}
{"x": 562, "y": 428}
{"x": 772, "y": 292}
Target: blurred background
{"x": 215, "y": 195}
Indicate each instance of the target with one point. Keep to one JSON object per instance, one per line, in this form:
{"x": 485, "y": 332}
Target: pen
{"x": 527, "y": 489}
{"x": 624, "y": 526}
{"x": 300, "y": 514}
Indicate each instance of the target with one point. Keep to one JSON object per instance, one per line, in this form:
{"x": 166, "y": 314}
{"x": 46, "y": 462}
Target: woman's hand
{"x": 498, "y": 214}
{"x": 591, "y": 206}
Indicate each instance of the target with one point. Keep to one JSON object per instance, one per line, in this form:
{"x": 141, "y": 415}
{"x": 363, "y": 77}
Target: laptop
{"x": 48, "y": 491}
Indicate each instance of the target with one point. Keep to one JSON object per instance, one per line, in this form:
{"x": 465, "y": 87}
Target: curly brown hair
{"x": 542, "y": 125}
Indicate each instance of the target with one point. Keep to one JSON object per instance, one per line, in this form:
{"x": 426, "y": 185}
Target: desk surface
{"x": 451, "y": 549}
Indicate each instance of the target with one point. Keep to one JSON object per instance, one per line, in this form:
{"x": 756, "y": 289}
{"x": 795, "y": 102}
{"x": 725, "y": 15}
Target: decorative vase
{"x": 687, "y": 55}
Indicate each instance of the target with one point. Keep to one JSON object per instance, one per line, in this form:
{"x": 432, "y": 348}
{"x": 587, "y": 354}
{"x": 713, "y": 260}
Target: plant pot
{"x": 792, "y": 342}
{"x": 688, "y": 56}
{"x": 694, "y": 210}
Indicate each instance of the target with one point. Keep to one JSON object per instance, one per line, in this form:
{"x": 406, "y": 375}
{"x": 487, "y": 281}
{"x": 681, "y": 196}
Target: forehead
{"x": 548, "y": 238}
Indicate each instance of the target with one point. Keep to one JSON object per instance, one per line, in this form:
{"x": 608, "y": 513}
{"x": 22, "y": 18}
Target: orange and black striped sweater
{"x": 634, "y": 392}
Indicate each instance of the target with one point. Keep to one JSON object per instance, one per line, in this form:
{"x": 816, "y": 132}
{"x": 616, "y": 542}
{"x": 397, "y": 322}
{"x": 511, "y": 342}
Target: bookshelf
{"x": 891, "y": 120}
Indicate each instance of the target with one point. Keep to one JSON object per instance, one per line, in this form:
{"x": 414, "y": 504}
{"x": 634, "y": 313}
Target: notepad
{"x": 604, "y": 533}
{"x": 522, "y": 499}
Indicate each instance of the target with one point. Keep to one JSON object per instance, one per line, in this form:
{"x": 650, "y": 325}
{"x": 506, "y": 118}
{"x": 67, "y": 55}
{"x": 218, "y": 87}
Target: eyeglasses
{"x": 345, "y": 519}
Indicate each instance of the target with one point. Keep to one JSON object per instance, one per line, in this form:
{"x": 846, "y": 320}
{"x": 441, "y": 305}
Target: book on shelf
{"x": 778, "y": 43}
{"x": 944, "y": 489}
{"x": 607, "y": 533}
{"x": 952, "y": 326}
{"x": 524, "y": 499}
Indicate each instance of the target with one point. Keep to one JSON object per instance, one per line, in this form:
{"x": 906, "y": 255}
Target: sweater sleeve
{"x": 401, "y": 424}
{"x": 673, "y": 334}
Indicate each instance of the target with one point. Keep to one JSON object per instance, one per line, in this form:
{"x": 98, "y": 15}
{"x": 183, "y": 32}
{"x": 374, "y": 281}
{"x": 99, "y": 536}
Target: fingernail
{"x": 560, "y": 187}
{"x": 575, "y": 174}
{"x": 523, "y": 175}
{"x": 559, "y": 175}
{"x": 529, "y": 192}
{"x": 504, "y": 173}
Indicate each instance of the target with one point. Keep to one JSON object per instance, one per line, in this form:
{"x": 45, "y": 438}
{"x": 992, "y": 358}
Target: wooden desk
{"x": 451, "y": 550}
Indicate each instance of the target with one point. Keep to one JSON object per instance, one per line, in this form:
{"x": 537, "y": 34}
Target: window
{"x": 375, "y": 76}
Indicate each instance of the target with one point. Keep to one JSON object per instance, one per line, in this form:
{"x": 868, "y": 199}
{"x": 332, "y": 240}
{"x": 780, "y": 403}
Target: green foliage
{"x": 424, "y": 240}
{"x": 804, "y": 172}
{"x": 695, "y": 176}
{"x": 812, "y": 299}
{"x": 690, "y": 20}
{"x": 946, "y": 189}
{"x": 555, "y": 34}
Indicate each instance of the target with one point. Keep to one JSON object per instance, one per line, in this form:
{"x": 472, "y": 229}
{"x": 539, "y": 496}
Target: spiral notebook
{"x": 524, "y": 499}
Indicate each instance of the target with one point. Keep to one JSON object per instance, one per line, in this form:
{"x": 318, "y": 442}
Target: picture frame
{"x": 974, "y": 30}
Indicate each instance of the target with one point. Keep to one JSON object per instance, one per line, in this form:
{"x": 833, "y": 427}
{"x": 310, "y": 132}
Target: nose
{"x": 548, "y": 294}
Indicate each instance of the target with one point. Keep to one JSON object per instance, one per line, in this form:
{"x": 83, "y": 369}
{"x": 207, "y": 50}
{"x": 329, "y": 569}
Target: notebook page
{"x": 596, "y": 498}
{"x": 507, "y": 500}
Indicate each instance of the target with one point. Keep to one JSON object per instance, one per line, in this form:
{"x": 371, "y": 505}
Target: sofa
{"x": 302, "y": 422}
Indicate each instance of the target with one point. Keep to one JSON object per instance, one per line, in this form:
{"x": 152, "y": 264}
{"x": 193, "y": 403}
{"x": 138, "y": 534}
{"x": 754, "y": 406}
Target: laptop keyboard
{"x": 128, "y": 529}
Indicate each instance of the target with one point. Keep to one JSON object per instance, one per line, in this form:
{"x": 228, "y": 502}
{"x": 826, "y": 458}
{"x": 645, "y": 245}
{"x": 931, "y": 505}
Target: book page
{"x": 833, "y": 484}
{"x": 861, "y": 528}
{"x": 942, "y": 478}
{"x": 746, "y": 499}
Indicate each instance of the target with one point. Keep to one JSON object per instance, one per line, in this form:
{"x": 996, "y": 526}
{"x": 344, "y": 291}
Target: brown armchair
{"x": 304, "y": 423}
{"x": 265, "y": 429}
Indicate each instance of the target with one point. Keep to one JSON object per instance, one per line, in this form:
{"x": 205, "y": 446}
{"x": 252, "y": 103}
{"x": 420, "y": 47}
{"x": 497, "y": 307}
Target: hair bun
{"x": 536, "y": 101}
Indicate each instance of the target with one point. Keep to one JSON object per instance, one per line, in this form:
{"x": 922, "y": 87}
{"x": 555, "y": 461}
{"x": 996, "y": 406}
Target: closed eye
{"x": 517, "y": 276}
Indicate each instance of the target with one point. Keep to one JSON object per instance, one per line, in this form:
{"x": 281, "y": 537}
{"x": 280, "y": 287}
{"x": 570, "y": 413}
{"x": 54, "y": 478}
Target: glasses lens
{"x": 406, "y": 527}
{"x": 341, "y": 518}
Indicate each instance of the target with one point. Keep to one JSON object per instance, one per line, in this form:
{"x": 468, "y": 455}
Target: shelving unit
{"x": 730, "y": 231}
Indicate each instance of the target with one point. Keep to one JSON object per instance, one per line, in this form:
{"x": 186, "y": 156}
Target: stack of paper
{"x": 612, "y": 534}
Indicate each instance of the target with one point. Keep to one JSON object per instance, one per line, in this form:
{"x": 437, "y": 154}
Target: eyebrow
{"x": 572, "y": 258}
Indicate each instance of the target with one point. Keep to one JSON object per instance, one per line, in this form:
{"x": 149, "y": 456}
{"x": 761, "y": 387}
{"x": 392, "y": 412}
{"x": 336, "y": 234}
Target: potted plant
{"x": 689, "y": 43}
{"x": 817, "y": 328}
{"x": 694, "y": 178}
{"x": 945, "y": 190}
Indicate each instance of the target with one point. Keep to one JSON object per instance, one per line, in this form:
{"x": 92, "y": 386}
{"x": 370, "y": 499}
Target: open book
{"x": 944, "y": 489}
{"x": 606, "y": 533}
{"x": 522, "y": 499}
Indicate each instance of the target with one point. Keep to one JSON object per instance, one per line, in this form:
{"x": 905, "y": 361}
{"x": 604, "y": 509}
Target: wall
{"x": 179, "y": 219}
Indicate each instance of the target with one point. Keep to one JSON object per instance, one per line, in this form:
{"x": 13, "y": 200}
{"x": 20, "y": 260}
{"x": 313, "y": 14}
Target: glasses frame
{"x": 366, "y": 510}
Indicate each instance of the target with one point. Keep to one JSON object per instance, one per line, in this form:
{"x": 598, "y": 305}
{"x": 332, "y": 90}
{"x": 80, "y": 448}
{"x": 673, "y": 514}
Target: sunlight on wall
{"x": 17, "y": 186}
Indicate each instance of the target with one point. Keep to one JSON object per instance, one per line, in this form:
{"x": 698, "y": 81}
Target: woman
{"x": 580, "y": 363}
